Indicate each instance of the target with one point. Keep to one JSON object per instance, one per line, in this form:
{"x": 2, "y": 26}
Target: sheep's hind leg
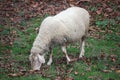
{"x": 65, "y": 52}
{"x": 50, "y": 58}
{"x": 82, "y": 45}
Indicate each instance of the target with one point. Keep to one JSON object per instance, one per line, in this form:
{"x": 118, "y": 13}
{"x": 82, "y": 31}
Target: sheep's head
{"x": 36, "y": 59}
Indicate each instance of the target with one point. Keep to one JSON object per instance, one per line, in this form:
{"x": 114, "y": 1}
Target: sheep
{"x": 69, "y": 26}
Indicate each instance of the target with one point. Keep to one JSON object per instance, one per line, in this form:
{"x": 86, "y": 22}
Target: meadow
{"x": 101, "y": 60}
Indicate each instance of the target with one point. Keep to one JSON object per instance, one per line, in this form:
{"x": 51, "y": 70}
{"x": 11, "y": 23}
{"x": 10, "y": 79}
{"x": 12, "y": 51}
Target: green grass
{"x": 89, "y": 69}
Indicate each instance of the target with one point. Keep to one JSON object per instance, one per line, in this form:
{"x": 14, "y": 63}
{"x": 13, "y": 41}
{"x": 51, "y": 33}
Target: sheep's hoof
{"x": 81, "y": 56}
{"x": 68, "y": 62}
{"x": 48, "y": 64}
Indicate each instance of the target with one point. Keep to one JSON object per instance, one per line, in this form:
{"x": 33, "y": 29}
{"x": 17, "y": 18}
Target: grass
{"x": 98, "y": 56}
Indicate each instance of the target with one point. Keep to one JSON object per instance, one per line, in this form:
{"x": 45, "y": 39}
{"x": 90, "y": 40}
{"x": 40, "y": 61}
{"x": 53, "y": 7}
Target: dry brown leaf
{"x": 15, "y": 74}
{"x": 105, "y": 14}
{"x": 69, "y": 78}
{"x": 1, "y": 29}
{"x": 88, "y": 69}
{"x": 71, "y": 0}
{"x": 99, "y": 11}
{"x": 11, "y": 43}
{"x": 58, "y": 78}
{"x": 91, "y": 77}
{"x": 85, "y": 0}
{"x": 12, "y": 75}
{"x": 109, "y": 9}
{"x": 35, "y": 5}
{"x": 76, "y": 73}
{"x": 117, "y": 71}
{"x": 106, "y": 71}
{"x": 113, "y": 60}
{"x": 82, "y": 74}
{"x": 31, "y": 71}
{"x": 70, "y": 70}
{"x": 118, "y": 45}
{"x": 113, "y": 68}
{"x": 75, "y": 59}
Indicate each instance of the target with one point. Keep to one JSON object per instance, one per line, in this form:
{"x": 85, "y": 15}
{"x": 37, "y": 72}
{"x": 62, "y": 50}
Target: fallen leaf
{"x": 104, "y": 5}
{"x": 117, "y": 71}
{"x": 113, "y": 68}
{"x": 76, "y": 73}
{"x": 113, "y": 55}
{"x": 37, "y": 29}
{"x": 113, "y": 60}
{"x": 35, "y": 5}
{"x": 71, "y": 0}
{"x": 58, "y": 78}
{"x": 69, "y": 78}
{"x": 31, "y": 70}
{"x": 11, "y": 43}
{"x": 91, "y": 77}
{"x": 1, "y": 29}
{"x": 82, "y": 74}
{"x": 88, "y": 69}
{"x": 74, "y": 59}
{"x": 70, "y": 70}
{"x": 85, "y": 0}
{"x": 106, "y": 71}
{"x": 111, "y": 79}
{"x": 118, "y": 45}
{"x": 12, "y": 75}
{"x": 105, "y": 14}
{"x": 109, "y": 9}
{"x": 16, "y": 74}
{"x": 99, "y": 11}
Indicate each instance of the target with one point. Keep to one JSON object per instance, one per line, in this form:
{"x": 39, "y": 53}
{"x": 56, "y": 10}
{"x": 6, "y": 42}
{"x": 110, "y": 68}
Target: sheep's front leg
{"x": 65, "y": 52}
{"x": 50, "y": 58}
{"x": 82, "y": 45}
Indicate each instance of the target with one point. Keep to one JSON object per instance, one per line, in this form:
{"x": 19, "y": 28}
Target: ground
{"x": 102, "y": 49}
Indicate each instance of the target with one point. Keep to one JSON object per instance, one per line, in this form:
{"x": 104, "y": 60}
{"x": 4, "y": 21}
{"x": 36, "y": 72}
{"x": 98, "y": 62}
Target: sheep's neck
{"x": 42, "y": 42}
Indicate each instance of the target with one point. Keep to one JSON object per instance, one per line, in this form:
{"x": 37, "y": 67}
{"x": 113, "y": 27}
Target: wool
{"x": 69, "y": 26}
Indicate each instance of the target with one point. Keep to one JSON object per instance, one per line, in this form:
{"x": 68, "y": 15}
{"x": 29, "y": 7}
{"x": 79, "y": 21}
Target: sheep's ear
{"x": 41, "y": 58}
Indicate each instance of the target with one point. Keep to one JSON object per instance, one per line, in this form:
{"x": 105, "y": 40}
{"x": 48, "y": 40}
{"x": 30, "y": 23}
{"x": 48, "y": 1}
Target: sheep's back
{"x": 68, "y": 26}
{"x": 74, "y": 15}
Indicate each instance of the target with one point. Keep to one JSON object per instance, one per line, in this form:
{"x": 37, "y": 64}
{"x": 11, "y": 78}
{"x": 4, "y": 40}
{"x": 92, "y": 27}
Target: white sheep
{"x": 69, "y": 26}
